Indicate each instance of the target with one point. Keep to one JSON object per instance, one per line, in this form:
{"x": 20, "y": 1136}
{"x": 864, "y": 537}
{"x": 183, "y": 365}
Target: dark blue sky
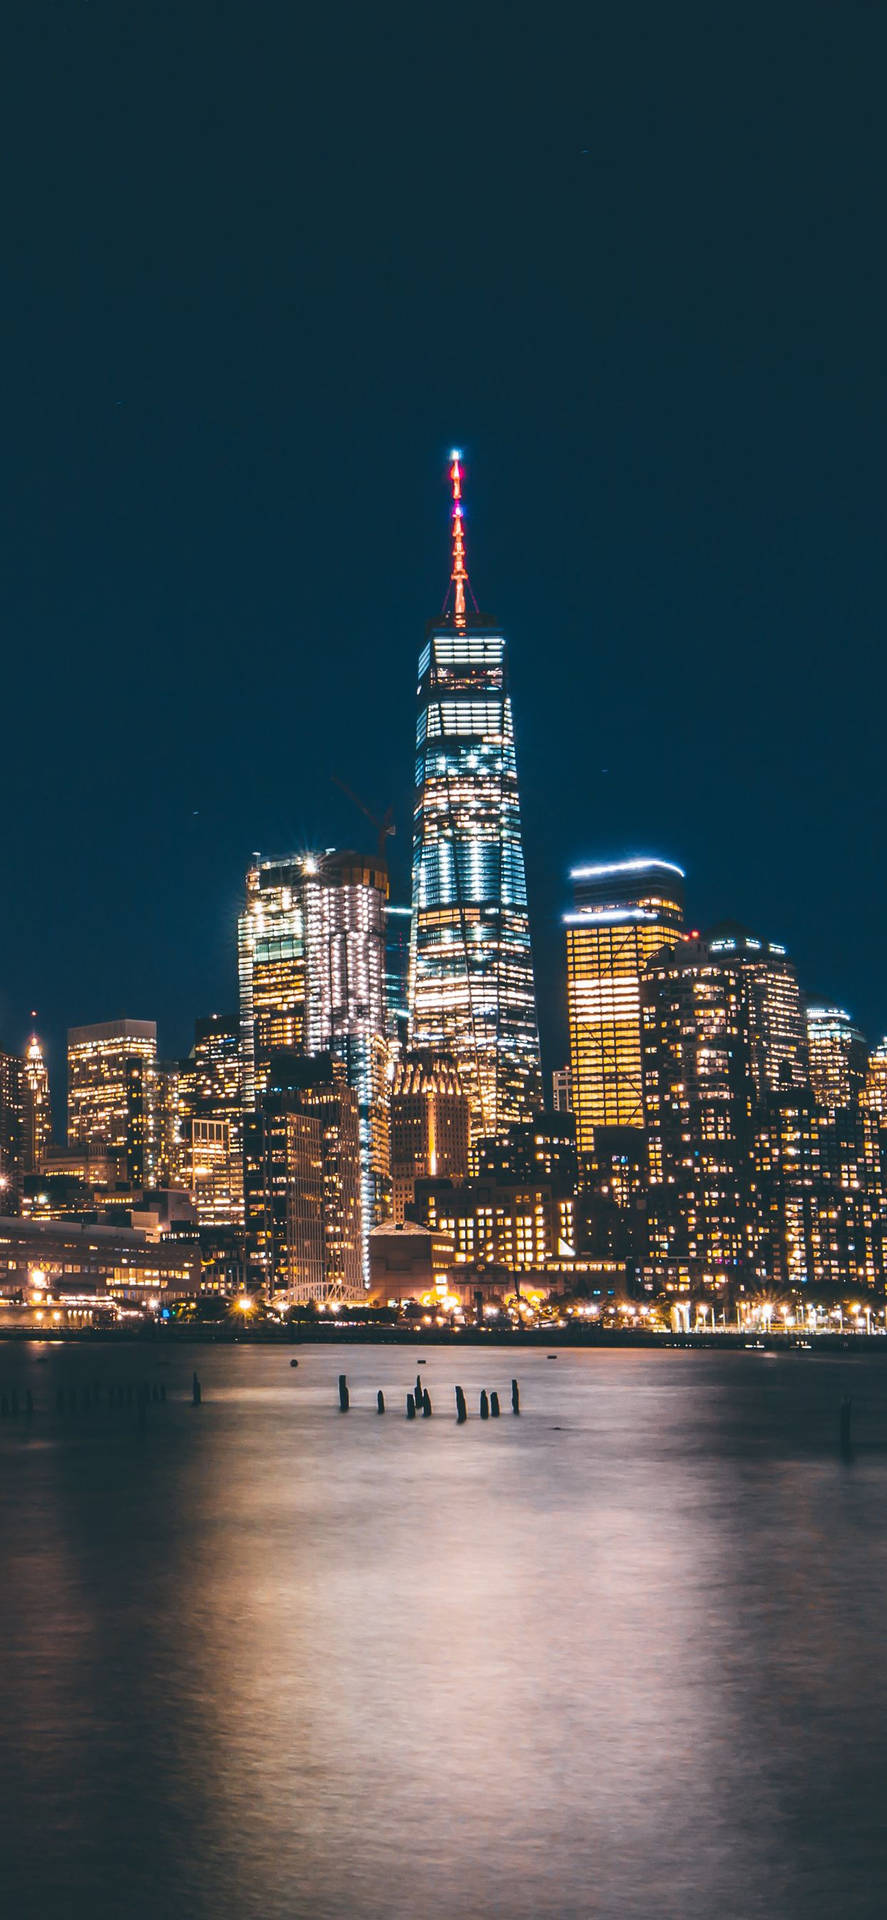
{"x": 263, "y": 266}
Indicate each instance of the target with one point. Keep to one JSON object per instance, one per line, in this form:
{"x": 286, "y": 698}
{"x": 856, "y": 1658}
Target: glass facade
{"x": 626, "y": 911}
{"x": 471, "y": 971}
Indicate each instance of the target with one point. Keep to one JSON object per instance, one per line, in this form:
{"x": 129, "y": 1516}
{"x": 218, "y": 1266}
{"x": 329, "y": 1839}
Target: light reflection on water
{"x": 622, "y": 1656}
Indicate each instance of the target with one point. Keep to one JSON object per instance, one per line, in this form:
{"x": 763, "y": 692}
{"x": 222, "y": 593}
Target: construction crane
{"x": 384, "y": 827}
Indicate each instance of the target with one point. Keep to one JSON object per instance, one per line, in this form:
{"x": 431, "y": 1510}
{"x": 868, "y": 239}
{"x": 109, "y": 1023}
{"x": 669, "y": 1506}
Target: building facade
{"x": 471, "y": 971}
{"x": 429, "y": 1123}
{"x": 302, "y": 1183}
{"x": 111, "y": 1093}
{"x": 838, "y": 1056}
{"x": 624, "y": 912}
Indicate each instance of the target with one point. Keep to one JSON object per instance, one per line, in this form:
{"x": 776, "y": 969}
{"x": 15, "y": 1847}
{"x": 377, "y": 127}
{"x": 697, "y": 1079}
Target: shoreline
{"x": 541, "y": 1339}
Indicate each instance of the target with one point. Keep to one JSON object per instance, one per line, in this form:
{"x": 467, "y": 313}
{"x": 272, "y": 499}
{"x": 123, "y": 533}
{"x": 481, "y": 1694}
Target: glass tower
{"x": 626, "y": 911}
{"x": 471, "y": 967}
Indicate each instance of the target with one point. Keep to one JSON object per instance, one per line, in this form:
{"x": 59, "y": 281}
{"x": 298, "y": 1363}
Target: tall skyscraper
{"x": 211, "y": 1121}
{"x": 837, "y": 1052}
{"x": 699, "y": 1101}
{"x": 37, "y": 1110}
{"x": 312, "y": 964}
{"x": 471, "y": 972}
{"x": 344, "y": 918}
{"x": 271, "y": 968}
{"x": 624, "y": 912}
{"x": 111, "y": 1092}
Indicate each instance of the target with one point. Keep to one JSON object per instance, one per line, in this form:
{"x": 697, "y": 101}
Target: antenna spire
{"x": 459, "y": 573}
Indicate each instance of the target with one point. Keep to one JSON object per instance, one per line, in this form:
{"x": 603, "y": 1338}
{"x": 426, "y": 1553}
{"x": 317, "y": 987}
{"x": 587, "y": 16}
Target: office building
{"x": 429, "y": 1123}
{"x": 210, "y": 1121}
{"x": 12, "y": 1124}
{"x": 271, "y": 969}
{"x": 111, "y": 1093}
{"x": 778, "y": 1026}
{"x": 302, "y": 1183}
{"x": 874, "y": 1093}
{"x": 837, "y": 1055}
{"x": 624, "y": 912}
{"x": 312, "y": 964}
{"x": 471, "y": 971}
{"x": 699, "y": 1099}
{"x": 343, "y": 899}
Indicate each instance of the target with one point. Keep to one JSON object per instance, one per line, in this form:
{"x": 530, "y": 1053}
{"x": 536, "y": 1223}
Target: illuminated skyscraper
{"x": 699, "y": 1102}
{"x": 271, "y": 968}
{"x": 111, "y": 1092}
{"x": 471, "y": 972}
{"x": 778, "y": 1027}
{"x": 37, "y": 1111}
{"x": 12, "y": 1100}
{"x": 837, "y": 1056}
{"x": 210, "y": 1121}
{"x": 312, "y": 961}
{"x": 625, "y": 912}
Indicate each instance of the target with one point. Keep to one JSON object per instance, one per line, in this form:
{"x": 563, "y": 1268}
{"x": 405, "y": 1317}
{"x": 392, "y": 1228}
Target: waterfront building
{"x": 56, "y": 1263}
{"x": 429, "y": 1123}
{"x": 699, "y": 1094}
{"x": 36, "y": 1107}
{"x": 111, "y": 1086}
{"x": 837, "y": 1054}
{"x": 471, "y": 971}
{"x": 12, "y": 1123}
{"x": 491, "y": 1223}
{"x": 302, "y": 1183}
{"x": 624, "y": 912}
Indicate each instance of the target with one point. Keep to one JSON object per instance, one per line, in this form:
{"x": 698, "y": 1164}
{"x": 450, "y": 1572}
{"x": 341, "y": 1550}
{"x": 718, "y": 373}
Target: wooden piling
{"x": 515, "y": 1397}
{"x": 494, "y": 1406}
{"x": 484, "y": 1405}
{"x": 411, "y": 1407}
{"x": 344, "y": 1396}
{"x": 196, "y": 1391}
{"x": 461, "y": 1409}
{"x": 380, "y": 1401}
{"x": 426, "y": 1404}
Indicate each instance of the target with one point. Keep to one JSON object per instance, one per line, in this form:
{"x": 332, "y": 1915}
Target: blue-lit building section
{"x": 471, "y": 984}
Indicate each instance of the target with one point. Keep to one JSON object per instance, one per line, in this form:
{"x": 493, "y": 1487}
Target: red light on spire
{"x": 459, "y": 572}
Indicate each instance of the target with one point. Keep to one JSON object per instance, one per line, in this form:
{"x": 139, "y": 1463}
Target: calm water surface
{"x": 623, "y": 1656}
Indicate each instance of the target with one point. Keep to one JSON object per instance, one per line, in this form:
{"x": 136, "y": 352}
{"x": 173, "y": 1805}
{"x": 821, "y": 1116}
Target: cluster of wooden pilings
{"x": 418, "y": 1401}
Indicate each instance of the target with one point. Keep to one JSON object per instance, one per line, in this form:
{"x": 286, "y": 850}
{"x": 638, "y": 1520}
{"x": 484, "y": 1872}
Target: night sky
{"x": 263, "y": 266}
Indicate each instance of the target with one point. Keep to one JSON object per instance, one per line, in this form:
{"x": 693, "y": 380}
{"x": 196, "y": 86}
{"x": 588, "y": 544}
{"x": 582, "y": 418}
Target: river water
{"x": 623, "y": 1656}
